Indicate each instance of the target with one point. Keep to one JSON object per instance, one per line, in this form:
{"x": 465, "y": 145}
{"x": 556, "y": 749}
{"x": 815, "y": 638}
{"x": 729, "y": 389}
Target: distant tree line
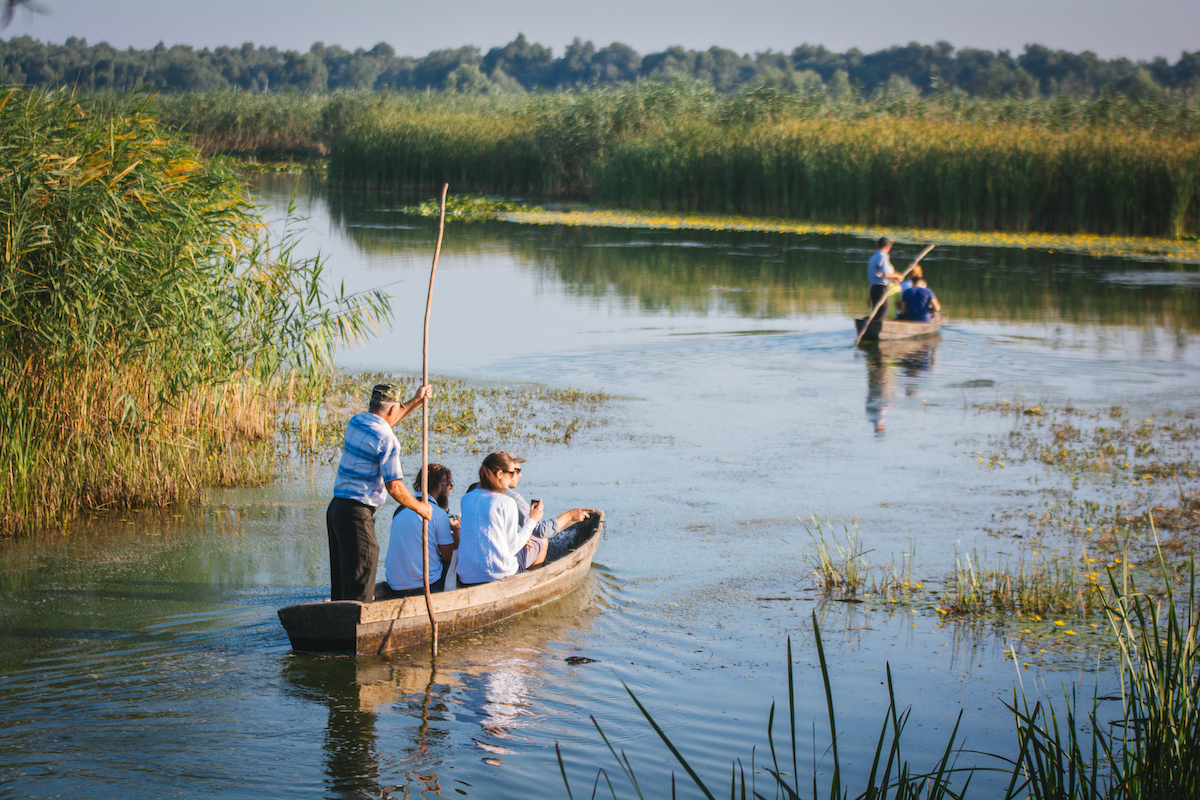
{"x": 522, "y": 66}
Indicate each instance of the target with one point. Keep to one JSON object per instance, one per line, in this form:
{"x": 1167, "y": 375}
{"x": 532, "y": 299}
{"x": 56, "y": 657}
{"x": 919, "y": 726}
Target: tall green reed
{"x": 1009, "y": 166}
{"x": 149, "y": 323}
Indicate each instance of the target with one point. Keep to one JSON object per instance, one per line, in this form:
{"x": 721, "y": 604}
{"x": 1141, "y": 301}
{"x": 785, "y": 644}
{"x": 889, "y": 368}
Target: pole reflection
{"x": 480, "y": 692}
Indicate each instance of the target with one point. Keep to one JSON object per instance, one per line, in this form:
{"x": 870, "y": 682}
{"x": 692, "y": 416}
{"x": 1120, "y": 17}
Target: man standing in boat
{"x": 368, "y": 472}
{"x": 882, "y": 276}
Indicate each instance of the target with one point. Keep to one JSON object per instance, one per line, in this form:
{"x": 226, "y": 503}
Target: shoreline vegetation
{"x": 152, "y": 326}
{"x": 1175, "y": 250}
{"x": 1013, "y": 166}
{"x": 1087, "y": 166}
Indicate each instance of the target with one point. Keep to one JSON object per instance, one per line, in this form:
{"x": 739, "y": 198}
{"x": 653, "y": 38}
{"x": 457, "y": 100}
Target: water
{"x": 140, "y": 652}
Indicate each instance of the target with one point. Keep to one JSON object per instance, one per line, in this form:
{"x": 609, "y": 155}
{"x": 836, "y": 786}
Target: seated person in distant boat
{"x": 916, "y": 303}
{"x": 549, "y": 526}
{"x": 903, "y": 286}
{"x": 403, "y": 567}
{"x": 493, "y": 543}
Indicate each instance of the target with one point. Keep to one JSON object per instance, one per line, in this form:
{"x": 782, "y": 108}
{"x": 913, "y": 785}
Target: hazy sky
{"x": 1137, "y": 29}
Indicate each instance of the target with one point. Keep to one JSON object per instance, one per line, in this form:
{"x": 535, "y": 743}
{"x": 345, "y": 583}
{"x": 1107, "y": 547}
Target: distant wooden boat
{"x": 901, "y": 329}
{"x": 348, "y": 626}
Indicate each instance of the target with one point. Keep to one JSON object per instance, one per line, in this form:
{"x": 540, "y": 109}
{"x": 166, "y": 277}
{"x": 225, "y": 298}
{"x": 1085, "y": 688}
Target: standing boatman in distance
{"x": 881, "y": 275}
{"x": 368, "y": 472}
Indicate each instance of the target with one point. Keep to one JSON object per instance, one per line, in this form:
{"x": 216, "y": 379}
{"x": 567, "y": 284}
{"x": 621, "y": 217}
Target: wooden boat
{"x": 901, "y": 329}
{"x": 348, "y": 626}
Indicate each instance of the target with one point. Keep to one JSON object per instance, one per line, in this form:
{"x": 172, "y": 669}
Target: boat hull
{"x": 900, "y": 329}
{"x": 348, "y": 626}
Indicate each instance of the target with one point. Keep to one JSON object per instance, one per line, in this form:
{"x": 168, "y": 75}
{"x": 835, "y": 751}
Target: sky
{"x": 1135, "y": 29}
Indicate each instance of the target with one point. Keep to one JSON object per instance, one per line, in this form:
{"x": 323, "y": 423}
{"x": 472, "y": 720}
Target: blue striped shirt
{"x": 370, "y": 458}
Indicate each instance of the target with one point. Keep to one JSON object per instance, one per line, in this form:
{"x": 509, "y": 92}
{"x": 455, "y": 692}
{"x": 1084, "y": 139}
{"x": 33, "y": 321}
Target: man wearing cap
{"x": 881, "y": 275}
{"x": 368, "y": 472}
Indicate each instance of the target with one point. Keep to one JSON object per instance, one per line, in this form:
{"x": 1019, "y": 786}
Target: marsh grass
{"x": 1151, "y": 749}
{"x": 150, "y": 325}
{"x": 468, "y": 208}
{"x": 843, "y": 572}
{"x": 1045, "y": 585}
{"x": 1108, "y": 165}
{"x": 939, "y": 164}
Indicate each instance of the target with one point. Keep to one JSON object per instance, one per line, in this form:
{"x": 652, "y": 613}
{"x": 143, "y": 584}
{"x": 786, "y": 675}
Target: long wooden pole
{"x": 883, "y": 299}
{"x": 437, "y": 251}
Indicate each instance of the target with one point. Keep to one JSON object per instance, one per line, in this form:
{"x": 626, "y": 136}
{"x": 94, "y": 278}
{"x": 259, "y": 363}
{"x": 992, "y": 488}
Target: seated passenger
{"x": 403, "y": 568}
{"x": 493, "y": 543}
{"x": 903, "y": 286}
{"x": 915, "y": 304}
{"x": 549, "y": 526}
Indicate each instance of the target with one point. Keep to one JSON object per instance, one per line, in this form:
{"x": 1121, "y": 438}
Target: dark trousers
{"x": 878, "y": 292}
{"x": 353, "y": 550}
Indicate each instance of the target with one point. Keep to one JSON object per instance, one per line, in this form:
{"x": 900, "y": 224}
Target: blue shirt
{"x": 879, "y": 266}
{"x": 403, "y": 567}
{"x": 370, "y": 458}
{"x": 916, "y": 304}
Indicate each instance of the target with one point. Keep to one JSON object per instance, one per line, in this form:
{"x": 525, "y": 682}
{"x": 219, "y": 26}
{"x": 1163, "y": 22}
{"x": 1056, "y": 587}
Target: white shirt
{"x": 490, "y": 536}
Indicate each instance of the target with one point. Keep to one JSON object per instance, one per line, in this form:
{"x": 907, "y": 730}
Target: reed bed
{"x": 260, "y": 124}
{"x": 1052, "y": 167}
{"x": 150, "y": 329}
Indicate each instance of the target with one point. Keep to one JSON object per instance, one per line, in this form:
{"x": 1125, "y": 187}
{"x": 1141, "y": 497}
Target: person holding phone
{"x": 494, "y": 542}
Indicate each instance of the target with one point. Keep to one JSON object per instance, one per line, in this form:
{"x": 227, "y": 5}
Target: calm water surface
{"x": 140, "y": 653}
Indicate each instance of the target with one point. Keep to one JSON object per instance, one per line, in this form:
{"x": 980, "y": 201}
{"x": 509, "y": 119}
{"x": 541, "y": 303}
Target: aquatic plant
{"x": 1046, "y": 585}
{"x": 474, "y": 417}
{"x": 151, "y": 329}
{"x": 890, "y": 773}
{"x": 466, "y": 208}
{"x": 1151, "y": 751}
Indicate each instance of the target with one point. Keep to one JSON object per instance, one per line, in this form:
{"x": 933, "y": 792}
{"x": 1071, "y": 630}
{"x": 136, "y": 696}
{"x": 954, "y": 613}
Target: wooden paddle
{"x": 883, "y": 299}
{"x": 437, "y": 251}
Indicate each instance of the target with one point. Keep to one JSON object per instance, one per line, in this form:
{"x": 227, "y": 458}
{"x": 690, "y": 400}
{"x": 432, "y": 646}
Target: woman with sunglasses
{"x": 493, "y": 543}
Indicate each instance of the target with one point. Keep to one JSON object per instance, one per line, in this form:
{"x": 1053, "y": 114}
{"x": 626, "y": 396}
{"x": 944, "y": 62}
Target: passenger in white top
{"x": 403, "y": 567}
{"x": 493, "y": 543}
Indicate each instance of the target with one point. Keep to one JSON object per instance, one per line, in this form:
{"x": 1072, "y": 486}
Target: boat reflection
{"x": 887, "y": 363}
{"x": 480, "y": 692}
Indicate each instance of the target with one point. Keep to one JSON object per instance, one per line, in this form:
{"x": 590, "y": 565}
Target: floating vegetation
{"x": 463, "y": 416}
{"x": 467, "y": 208}
{"x": 1121, "y": 470}
{"x": 1176, "y": 250}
